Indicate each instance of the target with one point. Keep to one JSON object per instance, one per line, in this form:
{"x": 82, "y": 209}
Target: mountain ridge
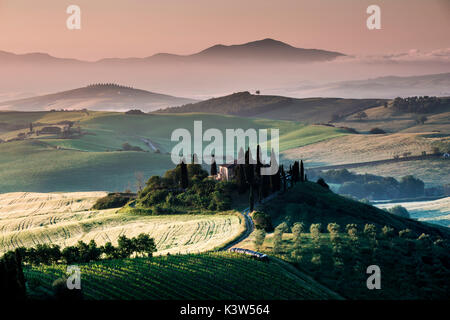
{"x": 254, "y": 47}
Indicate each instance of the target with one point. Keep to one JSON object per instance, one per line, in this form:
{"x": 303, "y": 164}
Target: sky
{"x": 138, "y": 28}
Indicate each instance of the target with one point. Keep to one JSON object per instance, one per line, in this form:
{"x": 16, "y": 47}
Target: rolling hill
{"x": 97, "y": 97}
{"x": 311, "y": 110}
{"x": 340, "y": 238}
{"x": 95, "y": 160}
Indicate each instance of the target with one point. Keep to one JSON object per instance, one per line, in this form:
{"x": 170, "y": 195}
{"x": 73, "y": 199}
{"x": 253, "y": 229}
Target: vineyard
{"x": 192, "y": 276}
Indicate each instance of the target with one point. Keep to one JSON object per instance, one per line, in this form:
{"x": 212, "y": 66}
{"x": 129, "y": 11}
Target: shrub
{"x": 377, "y": 131}
{"x": 277, "y": 241}
{"x": 135, "y": 111}
{"x": 113, "y": 200}
{"x": 128, "y": 147}
{"x": 406, "y": 234}
{"x": 387, "y": 232}
{"x": 399, "y": 211}
{"x": 333, "y": 228}
{"x": 411, "y": 187}
{"x": 297, "y": 229}
{"x": 262, "y": 221}
{"x": 370, "y": 230}
{"x": 282, "y": 228}
{"x": 260, "y": 236}
{"x": 322, "y": 183}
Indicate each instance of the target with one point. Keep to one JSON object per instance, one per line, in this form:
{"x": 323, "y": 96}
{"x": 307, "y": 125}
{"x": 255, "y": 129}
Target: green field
{"x": 194, "y": 276}
{"x": 93, "y": 162}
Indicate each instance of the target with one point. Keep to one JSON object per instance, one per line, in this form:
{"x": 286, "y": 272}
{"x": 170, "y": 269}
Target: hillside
{"x": 310, "y": 203}
{"x": 27, "y": 219}
{"x": 97, "y": 97}
{"x": 335, "y": 240}
{"x": 311, "y": 110}
{"x": 212, "y": 276}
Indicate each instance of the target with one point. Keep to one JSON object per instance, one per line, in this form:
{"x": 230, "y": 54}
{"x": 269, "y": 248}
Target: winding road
{"x": 249, "y": 226}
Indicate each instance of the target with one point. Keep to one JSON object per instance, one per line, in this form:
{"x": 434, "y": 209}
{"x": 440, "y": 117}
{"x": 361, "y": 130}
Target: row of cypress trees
{"x": 249, "y": 179}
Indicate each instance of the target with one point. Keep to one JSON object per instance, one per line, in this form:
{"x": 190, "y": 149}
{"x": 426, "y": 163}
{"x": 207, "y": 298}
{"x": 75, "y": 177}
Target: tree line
{"x": 142, "y": 245}
{"x": 419, "y": 104}
{"x": 372, "y": 186}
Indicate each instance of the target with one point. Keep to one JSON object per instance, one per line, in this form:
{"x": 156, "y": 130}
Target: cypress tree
{"x": 249, "y": 168}
{"x": 251, "y": 199}
{"x": 265, "y": 186}
{"x": 283, "y": 176}
{"x": 240, "y": 176}
{"x": 213, "y": 167}
{"x": 302, "y": 172}
{"x": 184, "y": 175}
{"x": 258, "y": 161}
{"x": 275, "y": 181}
{"x": 295, "y": 172}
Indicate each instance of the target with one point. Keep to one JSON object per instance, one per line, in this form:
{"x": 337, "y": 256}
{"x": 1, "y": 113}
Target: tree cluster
{"x": 374, "y": 187}
{"x": 186, "y": 186}
{"x": 12, "y": 280}
{"x": 419, "y": 104}
{"x": 142, "y": 245}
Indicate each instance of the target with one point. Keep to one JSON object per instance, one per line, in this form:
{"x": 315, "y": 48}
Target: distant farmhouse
{"x": 50, "y": 130}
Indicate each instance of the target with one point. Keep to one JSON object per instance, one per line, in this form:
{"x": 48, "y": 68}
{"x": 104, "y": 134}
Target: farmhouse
{"x": 226, "y": 172}
{"x": 50, "y": 130}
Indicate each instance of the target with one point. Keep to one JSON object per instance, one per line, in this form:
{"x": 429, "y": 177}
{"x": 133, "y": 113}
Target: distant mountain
{"x": 30, "y": 58}
{"x": 267, "y": 50}
{"x": 219, "y": 68}
{"x": 383, "y": 87}
{"x": 110, "y": 97}
{"x": 310, "y": 110}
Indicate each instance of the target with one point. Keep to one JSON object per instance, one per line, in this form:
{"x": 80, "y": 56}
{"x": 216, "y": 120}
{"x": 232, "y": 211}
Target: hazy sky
{"x": 124, "y": 28}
